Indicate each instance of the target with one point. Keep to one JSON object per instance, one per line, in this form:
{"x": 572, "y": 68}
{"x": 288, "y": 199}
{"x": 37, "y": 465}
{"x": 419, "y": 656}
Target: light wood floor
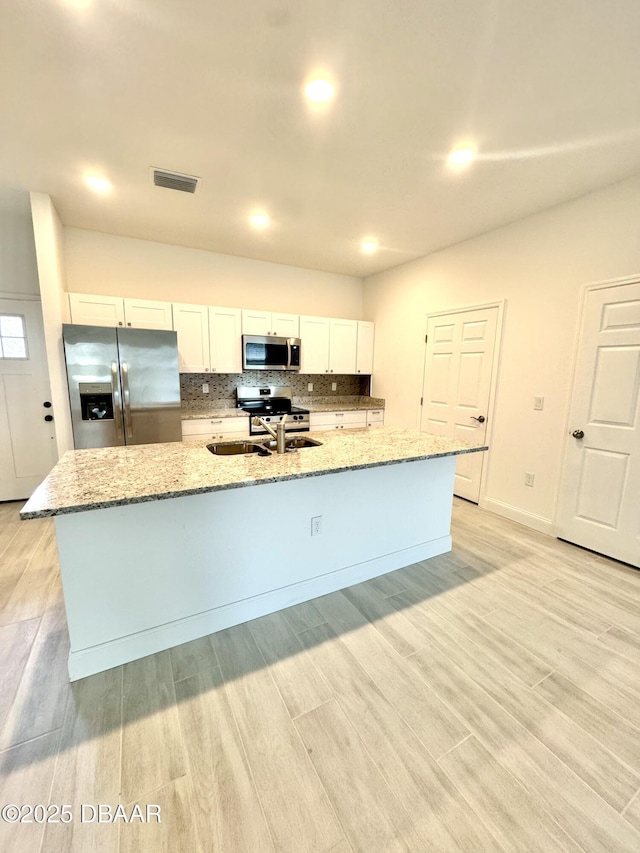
{"x": 485, "y": 700}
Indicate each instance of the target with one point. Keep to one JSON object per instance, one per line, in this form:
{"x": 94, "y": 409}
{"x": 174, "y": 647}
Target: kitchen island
{"x": 160, "y": 544}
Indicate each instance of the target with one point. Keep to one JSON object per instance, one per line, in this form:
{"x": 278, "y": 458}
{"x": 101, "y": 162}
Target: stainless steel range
{"x": 271, "y": 403}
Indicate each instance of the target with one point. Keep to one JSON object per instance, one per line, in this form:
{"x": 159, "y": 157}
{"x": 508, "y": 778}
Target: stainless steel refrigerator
{"x": 124, "y": 385}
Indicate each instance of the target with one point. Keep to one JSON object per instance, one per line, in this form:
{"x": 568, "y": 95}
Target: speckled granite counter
{"x": 93, "y": 479}
{"x": 195, "y": 414}
{"x": 313, "y": 404}
{"x": 339, "y": 404}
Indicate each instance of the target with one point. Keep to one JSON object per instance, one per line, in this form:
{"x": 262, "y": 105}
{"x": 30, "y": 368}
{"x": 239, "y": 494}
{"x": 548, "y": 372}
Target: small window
{"x": 13, "y": 341}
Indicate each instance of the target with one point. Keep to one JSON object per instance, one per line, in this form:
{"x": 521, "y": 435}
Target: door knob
{"x": 48, "y": 418}
{"x": 481, "y": 419}
{"x": 577, "y": 433}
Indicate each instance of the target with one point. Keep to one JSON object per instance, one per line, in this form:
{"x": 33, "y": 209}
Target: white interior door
{"x": 459, "y": 355}
{"x": 27, "y": 440}
{"x": 600, "y": 496}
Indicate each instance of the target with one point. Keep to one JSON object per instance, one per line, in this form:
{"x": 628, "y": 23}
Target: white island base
{"x": 146, "y": 576}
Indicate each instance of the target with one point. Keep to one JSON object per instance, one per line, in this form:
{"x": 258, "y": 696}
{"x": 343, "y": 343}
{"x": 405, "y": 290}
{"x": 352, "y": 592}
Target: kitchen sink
{"x": 294, "y": 442}
{"x": 234, "y": 448}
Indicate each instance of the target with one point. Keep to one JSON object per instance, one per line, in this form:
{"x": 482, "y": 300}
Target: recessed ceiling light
{"x": 319, "y": 90}
{"x": 462, "y": 155}
{"x": 259, "y": 219}
{"x": 369, "y": 245}
{"x": 98, "y": 184}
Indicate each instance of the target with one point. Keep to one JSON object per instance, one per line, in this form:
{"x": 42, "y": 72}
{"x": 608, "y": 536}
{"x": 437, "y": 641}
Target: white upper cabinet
{"x": 285, "y": 325}
{"x": 314, "y": 337}
{"x": 364, "y": 354}
{"x": 89, "y": 310}
{"x": 147, "y": 314}
{"x": 225, "y": 340}
{"x": 92, "y": 310}
{"x": 256, "y": 322}
{"x": 191, "y": 322}
{"x": 270, "y": 323}
{"x": 329, "y": 345}
{"x": 342, "y": 346}
{"x": 210, "y": 338}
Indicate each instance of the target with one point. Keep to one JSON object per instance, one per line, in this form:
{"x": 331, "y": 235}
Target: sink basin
{"x": 294, "y": 442}
{"x": 234, "y": 448}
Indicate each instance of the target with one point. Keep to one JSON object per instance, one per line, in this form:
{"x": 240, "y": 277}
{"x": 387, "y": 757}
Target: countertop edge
{"x": 90, "y": 507}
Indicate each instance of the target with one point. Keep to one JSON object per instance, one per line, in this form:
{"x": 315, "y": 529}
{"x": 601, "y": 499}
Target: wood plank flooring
{"x": 484, "y": 701}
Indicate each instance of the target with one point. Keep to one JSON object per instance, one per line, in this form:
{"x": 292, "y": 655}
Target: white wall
{"x": 47, "y": 231}
{"x": 123, "y": 266}
{"x": 539, "y": 265}
{"x": 18, "y": 272}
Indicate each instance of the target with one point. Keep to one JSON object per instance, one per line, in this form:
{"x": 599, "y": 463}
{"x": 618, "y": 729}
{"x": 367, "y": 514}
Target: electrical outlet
{"x": 334, "y": 386}
{"x": 316, "y": 525}
{"x": 538, "y": 403}
{"x": 205, "y": 387}
{"x": 529, "y": 478}
{"x": 310, "y": 386}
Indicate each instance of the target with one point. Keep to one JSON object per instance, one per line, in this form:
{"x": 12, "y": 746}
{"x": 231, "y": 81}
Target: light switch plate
{"x": 538, "y": 403}
{"x": 334, "y": 386}
{"x": 205, "y": 387}
{"x": 310, "y": 386}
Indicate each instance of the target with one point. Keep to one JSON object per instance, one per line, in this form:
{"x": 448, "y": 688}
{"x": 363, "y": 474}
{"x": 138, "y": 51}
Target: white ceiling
{"x": 548, "y": 91}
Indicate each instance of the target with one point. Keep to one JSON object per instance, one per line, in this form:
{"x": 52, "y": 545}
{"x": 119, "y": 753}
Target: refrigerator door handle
{"x": 125, "y": 395}
{"x": 115, "y": 389}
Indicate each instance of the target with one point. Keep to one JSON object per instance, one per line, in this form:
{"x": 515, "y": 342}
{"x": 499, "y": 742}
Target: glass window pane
{"x": 14, "y": 348}
{"x": 11, "y": 326}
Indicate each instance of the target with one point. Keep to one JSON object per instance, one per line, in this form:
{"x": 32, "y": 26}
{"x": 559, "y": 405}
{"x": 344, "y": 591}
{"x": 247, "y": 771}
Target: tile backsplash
{"x": 222, "y": 386}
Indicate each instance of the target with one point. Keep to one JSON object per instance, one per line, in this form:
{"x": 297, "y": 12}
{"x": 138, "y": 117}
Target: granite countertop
{"x": 313, "y": 404}
{"x": 339, "y": 404}
{"x": 201, "y": 414}
{"x": 115, "y": 476}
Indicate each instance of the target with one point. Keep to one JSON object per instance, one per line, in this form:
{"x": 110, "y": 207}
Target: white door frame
{"x": 501, "y": 305}
{"x": 577, "y": 343}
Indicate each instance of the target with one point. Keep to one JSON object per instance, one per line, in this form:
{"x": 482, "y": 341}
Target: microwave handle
{"x": 288, "y": 353}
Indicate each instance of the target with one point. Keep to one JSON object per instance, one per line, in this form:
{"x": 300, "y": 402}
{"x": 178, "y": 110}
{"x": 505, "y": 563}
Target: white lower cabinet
{"x": 215, "y": 429}
{"x": 338, "y": 420}
{"x": 353, "y": 419}
{"x": 375, "y": 417}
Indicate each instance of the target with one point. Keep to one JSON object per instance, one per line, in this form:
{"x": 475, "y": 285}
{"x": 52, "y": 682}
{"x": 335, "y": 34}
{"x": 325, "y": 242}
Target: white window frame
{"x": 22, "y": 337}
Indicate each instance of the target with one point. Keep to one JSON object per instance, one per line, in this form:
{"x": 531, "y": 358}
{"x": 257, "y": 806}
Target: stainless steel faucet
{"x": 278, "y": 433}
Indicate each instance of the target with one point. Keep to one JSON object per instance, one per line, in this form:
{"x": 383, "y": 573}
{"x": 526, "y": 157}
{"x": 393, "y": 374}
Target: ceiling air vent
{"x": 175, "y": 181}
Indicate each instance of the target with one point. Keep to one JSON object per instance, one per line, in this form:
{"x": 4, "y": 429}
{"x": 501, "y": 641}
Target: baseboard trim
{"x": 529, "y": 519}
{"x": 89, "y": 661}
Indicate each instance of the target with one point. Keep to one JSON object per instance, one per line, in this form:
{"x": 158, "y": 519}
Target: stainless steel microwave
{"x": 262, "y": 352}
